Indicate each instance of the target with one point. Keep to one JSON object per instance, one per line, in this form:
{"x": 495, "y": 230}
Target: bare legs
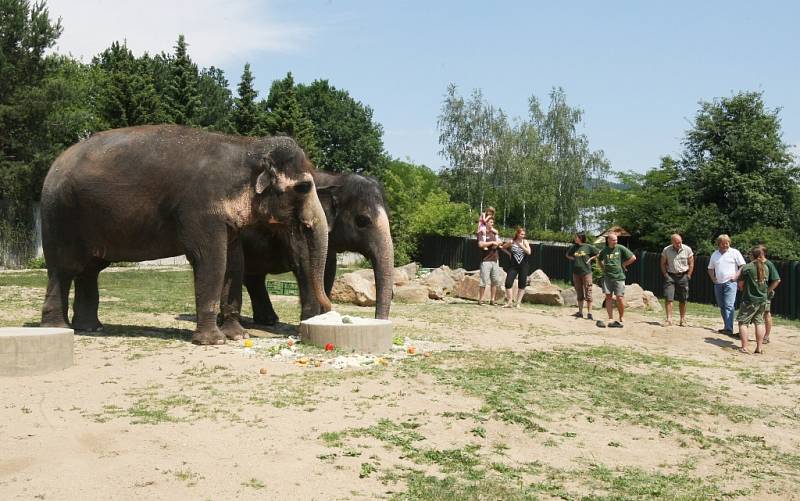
{"x": 760, "y": 330}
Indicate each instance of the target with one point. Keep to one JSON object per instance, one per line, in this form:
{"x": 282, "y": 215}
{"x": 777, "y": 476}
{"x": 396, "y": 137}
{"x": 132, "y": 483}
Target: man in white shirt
{"x": 723, "y": 268}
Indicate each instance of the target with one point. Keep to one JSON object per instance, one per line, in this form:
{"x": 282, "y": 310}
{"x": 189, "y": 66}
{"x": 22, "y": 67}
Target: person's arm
{"x": 710, "y": 270}
{"x": 526, "y": 247}
{"x": 773, "y": 285}
{"x": 663, "y": 265}
{"x": 739, "y": 265}
{"x": 482, "y": 243}
{"x": 691, "y": 266}
{"x": 570, "y": 253}
{"x": 629, "y": 262}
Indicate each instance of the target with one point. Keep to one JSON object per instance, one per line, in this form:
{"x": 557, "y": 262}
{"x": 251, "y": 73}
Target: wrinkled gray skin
{"x": 357, "y": 216}
{"x": 150, "y": 192}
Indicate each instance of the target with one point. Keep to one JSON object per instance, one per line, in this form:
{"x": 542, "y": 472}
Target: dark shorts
{"x": 613, "y": 286}
{"x": 583, "y": 286}
{"x": 676, "y": 286}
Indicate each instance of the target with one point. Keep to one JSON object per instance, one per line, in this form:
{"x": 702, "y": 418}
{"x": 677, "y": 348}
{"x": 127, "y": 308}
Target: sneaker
{"x": 600, "y": 323}
{"x": 577, "y": 314}
{"x": 616, "y": 324}
{"x": 589, "y": 317}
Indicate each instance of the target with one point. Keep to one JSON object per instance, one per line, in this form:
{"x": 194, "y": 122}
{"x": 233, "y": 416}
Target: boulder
{"x": 538, "y": 276}
{"x": 411, "y": 270}
{"x": 468, "y": 288}
{"x": 439, "y": 283}
{"x": 651, "y": 302}
{"x": 354, "y": 288}
{"x": 570, "y": 297}
{"x": 412, "y": 293}
{"x": 543, "y": 293}
{"x": 401, "y": 277}
{"x": 634, "y": 297}
{"x": 366, "y": 274}
{"x": 458, "y": 274}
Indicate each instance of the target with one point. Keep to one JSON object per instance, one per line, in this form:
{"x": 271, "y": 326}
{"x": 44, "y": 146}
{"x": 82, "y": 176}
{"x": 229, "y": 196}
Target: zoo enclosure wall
{"x": 462, "y": 252}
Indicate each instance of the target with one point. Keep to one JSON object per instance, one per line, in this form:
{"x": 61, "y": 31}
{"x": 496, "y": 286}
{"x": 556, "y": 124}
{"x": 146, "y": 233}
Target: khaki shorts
{"x": 613, "y": 286}
{"x": 583, "y": 286}
{"x": 490, "y": 272}
{"x": 751, "y": 313}
{"x": 769, "y": 300}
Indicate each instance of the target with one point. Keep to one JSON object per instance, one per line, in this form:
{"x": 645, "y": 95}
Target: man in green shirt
{"x": 614, "y": 260}
{"x": 774, "y": 279}
{"x": 753, "y": 283}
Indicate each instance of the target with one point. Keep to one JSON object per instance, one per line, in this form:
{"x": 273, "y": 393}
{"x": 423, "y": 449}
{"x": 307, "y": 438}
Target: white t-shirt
{"x": 725, "y": 265}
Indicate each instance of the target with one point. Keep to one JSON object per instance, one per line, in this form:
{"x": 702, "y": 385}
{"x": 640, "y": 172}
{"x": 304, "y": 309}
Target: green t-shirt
{"x": 754, "y": 292}
{"x": 582, "y": 253}
{"x": 773, "y": 272}
{"x": 612, "y": 260}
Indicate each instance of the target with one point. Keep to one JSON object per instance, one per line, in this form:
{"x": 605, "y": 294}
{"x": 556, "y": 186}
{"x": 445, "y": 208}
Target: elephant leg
{"x": 87, "y": 299}
{"x": 330, "y": 271}
{"x": 208, "y": 258}
{"x": 56, "y": 302}
{"x": 231, "y": 299}
{"x": 263, "y": 312}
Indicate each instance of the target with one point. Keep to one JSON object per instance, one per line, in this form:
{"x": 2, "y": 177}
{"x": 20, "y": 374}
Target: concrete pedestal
{"x": 29, "y": 351}
{"x": 372, "y": 337}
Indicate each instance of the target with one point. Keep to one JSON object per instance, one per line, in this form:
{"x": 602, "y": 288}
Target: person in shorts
{"x": 614, "y": 260}
{"x": 489, "y": 242}
{"x": 582, "y": 255}
{"x": 752, "y": 281}
{"x": 677, "y": 266}
{"x": 773, "y": 279}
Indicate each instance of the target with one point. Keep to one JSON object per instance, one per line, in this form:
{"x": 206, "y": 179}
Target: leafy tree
{"x": 419, "y": 206}
{"x": 737, "y": 166}
{"x": 31, "y": 90}
{"x": 285, "y": 116}
{"x": 183, "y": 97}
{"x": 348, "y": 138}
{"x": 246, "y": 114}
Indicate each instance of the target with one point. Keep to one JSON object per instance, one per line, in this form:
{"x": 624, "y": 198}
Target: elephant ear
{"x": 327, "y": 191}
{"x": 267, "y": 176}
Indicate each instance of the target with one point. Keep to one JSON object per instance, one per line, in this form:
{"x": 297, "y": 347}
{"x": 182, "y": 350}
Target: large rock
{"x": 468, "y": 288}
{"x": 400, "y": 276}
{"x": 411, "y": 270}
{"x": 458, "y": 274}
{"x": 354, "y": 288}
{"x": 411, "y": 293}
{"x": 651, "y": 302}
{"x": 439, "y": 282}
{"x": 542, "y": 293}
{"x": 538, "y": 276}
{"x": 634, "y": 297}
{"x": 570, "y": 297}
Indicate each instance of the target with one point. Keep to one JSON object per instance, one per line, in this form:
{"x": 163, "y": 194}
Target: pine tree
{"x": 245, "y": 111}
{"x": 216, "y": 104}
{"x": 182, "y": 95}
{"x": 285, "y": 116}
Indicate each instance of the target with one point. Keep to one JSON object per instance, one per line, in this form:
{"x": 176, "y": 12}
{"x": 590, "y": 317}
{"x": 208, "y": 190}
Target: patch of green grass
{"x": 254, "y": 483}
{"x": 526, "y": 388}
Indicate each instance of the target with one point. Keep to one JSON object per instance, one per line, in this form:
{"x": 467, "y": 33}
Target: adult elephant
{"x": 149, "y": 192}
{"x": 358, "y": 220}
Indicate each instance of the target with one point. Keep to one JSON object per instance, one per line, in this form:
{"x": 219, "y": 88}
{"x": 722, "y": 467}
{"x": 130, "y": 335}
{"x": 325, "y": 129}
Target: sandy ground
{"x": 242, "y": 435}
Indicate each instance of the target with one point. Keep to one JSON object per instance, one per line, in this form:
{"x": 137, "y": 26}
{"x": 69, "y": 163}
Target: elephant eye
{"x": 303, "y": 187}
{"x": 362, "y": 221}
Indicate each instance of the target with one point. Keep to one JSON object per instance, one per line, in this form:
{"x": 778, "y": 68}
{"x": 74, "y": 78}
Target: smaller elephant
{"x": 358, "y": 220}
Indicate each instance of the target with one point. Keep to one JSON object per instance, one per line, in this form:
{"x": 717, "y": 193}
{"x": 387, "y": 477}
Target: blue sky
{"x": 637, "y": 69}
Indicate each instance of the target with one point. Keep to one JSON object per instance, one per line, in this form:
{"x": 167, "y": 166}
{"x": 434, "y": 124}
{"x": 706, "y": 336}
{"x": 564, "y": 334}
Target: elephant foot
{"x": 233, "y": 330}
{"x": 93, "y": 325}
{"x": 211, "y": 336}
{"x": 265, "y": 319}
{"x": 59, "y": 323}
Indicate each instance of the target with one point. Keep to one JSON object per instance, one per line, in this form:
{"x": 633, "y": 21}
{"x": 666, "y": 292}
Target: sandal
{"x": 589, "y": 317}
{"x": 759, "y": 352}
{"x": 600, "y": 323}
{"x": 766, "y": 340}
{"x": 507, "y": 305}
{"x": 577, "y": 314}
{"x": 615, "y": 324}
{"x": 682, "y": 323}
{"x": 742, "y": 350}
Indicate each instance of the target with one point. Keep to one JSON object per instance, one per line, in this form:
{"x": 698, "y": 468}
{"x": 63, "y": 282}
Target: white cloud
{"x": 216, "y": 30}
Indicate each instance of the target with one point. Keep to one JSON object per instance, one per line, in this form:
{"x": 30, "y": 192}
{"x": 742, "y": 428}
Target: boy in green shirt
{"x": 774, "y": 279}
{"x": 582, "y": 255}
{"x": 614, "y": 260}
{"x": 753, "y": 283}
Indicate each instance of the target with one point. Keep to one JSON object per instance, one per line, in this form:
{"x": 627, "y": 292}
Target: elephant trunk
{"x": 315, "y": 227}
{"x": 382, "y": 251}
